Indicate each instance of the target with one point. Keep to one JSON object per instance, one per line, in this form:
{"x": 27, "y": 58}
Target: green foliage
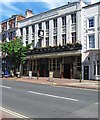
{"x": 15, "y": 51}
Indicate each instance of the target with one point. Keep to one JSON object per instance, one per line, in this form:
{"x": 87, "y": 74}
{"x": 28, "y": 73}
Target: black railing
{"x": 68, "y": 47}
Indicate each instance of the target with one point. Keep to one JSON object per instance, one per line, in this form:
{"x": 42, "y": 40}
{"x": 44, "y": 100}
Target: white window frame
{"x": 63, "y": 39}
{"x": 92, "y": 41}
{"x": 73, "y": 35}
{"x": 73, "y": 18}
{"x": 91, "y": 18}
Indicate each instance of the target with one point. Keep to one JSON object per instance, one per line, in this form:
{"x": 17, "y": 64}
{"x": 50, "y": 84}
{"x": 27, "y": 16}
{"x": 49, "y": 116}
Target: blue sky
{"x": 12, "y": 7}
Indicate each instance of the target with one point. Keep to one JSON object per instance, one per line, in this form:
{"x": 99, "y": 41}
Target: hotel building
{"x": 55, "y": 36}
{"x": 65, "y": 40}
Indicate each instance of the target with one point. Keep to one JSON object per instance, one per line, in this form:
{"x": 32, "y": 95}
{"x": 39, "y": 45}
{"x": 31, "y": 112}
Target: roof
{"x": 58, "y": 8}
{"x": 90, "y": 5}
{"x": 12, "y": 17}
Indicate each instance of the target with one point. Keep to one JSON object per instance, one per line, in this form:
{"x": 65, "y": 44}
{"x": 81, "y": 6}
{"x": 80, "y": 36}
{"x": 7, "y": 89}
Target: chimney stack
{"x": 29, "y": 13}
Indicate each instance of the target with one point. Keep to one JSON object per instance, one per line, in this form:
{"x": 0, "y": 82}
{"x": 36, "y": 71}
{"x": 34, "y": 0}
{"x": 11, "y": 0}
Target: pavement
{"x": 88, "y": 84}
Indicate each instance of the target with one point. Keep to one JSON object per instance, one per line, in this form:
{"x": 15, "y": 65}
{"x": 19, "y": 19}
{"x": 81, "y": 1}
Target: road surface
{"x": 44, "y": 101}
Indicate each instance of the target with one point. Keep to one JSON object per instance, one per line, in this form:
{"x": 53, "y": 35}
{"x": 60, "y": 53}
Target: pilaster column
{"x": 30, "y": 34}
{"x": 78, "y": 27}
{"x": 36, "y": 35}
{"x": 51, "y": 32}
{"x": 59, "y": 31}
{"x": 7, "y": 38}
{"x": 18, "y": 33}
{"x": 24, "y": 36}
{"x": 68, "y": 28}
{"x": 43, "y": 40}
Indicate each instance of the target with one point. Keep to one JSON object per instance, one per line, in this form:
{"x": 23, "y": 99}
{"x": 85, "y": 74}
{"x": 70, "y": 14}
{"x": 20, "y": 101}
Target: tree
{"x": 16, "y": 52}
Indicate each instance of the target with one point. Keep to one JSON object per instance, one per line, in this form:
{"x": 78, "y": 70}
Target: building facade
{"x": 8, "y": 28}
{"x": 91, "y": 41}
{"x": 55, "y": 37}
{"x": 8, "y": 31}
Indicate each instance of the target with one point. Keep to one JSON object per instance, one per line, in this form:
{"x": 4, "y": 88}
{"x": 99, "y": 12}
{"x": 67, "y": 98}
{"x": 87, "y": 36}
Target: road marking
{"x": 12, "y": 113}
{"x": 53, "y": 96}
{"x": 5, "y": 86}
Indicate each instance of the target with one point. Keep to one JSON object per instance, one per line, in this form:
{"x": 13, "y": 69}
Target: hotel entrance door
{"x": 86, "y": 72}
{"x": 67, "y": 71}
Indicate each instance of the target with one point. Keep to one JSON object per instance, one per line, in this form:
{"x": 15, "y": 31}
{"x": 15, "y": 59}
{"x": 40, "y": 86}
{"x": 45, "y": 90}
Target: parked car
{"x": 7, "y": 73}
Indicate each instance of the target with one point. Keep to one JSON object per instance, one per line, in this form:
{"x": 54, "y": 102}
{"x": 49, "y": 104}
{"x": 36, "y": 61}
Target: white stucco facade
{"x": 91, "y": 42}
{"x": 86, "y": 33}
{"x": 58, "y": 13}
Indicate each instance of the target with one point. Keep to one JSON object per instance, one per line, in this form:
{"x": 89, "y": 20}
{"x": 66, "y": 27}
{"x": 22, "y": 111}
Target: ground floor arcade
{"x": 64, "y": 65}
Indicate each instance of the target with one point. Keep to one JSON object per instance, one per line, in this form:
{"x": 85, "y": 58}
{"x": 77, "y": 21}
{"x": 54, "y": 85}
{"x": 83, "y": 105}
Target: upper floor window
{"x": 4, "y": 37}
{"x": 14, "y": 33}
{"x": 91, "y": 41}
{"x": 26, "y": 30}
{"x": 21, "y": 31}
{"x": 64, "y": 21}
{"x": 47, "y": 41}
{"x": 64, "y": 39}
{"x": 33, "y": 28}
{"x": 73, "y": 17}
{"x": 40, "y": 26}
{"x": 91, "y": 22}
{"x": 47, "y": 25}
{"x": 73, "y": 37}
{"x": 55, "y": 22}
{"x": 55, "y": 40}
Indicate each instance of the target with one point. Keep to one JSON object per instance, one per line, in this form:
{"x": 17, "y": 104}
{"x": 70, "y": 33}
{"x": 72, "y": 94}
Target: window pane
{"x": 55, "y": 40}
{"x": 64, "y": 21}
{"x": 64, "y": 39}
{"x": 98, "y": 68}
{"x": 91, "y": 41}
{"x": 47, "y": 41}
{"x": 91, "y": 22}
{"x": 55, "y": 23}
{"x": 73, "y": 17}
{"x": 47, "y": 25}
{"x": 73, "y": 37}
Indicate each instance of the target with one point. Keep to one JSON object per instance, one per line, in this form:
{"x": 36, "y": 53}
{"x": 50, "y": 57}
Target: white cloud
{"x": 10, "y": 6}
{"x": 10, "y": 9}
{"x": 54, "y": 3}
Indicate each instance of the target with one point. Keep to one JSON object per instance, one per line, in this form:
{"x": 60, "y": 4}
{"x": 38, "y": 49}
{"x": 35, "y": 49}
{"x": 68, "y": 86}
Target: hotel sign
{"x": 41, "y": 33}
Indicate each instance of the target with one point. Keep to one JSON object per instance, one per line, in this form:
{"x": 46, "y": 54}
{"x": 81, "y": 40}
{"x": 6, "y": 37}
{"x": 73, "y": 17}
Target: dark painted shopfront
{"x": 64, "y": 62}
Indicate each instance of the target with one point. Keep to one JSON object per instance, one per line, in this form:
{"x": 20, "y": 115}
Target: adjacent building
{"x": 91, "y": 41}
{"x": 8, "y": 27}
{"x": 8, "y": 31}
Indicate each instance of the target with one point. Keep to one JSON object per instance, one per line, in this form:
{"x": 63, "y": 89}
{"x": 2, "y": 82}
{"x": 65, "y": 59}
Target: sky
{"x": 12, "y": 7}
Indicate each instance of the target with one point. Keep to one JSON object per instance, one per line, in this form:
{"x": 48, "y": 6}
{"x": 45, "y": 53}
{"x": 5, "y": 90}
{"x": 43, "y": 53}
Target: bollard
{"x": 30, "y": 74}
{"x": 18, "y": 74}
{"x": 51, "y": 76}
{"x": 80, "y": 78}
{"x": 38, "y": 74}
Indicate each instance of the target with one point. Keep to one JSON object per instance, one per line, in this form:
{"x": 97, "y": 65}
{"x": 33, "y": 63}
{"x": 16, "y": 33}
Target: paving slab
{"x": 89, "y": 84}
